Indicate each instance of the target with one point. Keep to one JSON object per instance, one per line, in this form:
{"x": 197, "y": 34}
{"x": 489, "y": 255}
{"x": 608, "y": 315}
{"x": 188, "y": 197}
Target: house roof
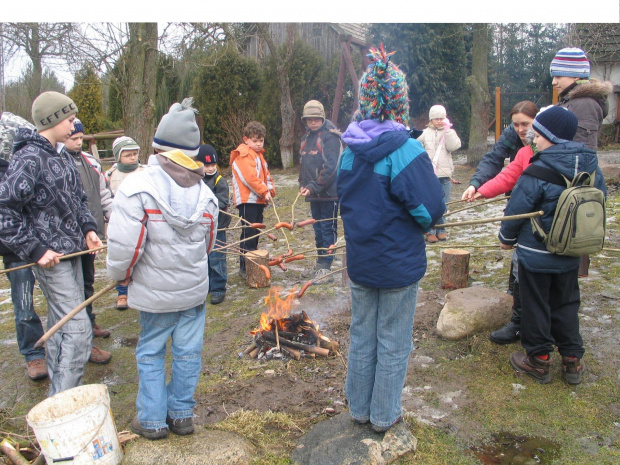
{"x": 357, "y": 31}
{"x": 601, "y": 42}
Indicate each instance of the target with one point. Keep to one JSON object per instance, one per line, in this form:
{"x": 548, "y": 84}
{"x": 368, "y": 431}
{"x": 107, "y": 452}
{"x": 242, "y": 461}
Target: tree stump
{"x": 255, "y": 276}
{"x": 454, "y": 268}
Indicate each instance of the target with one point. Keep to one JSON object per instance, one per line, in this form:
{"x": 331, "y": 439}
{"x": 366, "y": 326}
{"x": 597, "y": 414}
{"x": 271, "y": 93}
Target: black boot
{"x": 510, "y": 332}
{"x": 511, "y": 282}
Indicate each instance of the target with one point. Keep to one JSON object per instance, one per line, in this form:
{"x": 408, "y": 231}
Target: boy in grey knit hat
{"x": 44, "y": 213}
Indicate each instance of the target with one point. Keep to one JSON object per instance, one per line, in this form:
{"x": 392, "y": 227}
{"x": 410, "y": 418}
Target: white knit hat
{"x": 178, "y": 129}
{"x": 437, "y": 111}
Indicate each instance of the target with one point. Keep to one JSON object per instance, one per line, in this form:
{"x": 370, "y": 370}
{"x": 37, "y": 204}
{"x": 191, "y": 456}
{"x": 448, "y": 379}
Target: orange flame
{"x": 277, "y": 308}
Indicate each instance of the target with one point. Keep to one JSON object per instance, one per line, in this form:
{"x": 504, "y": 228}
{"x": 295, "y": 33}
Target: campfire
{"x": 282, "y": 335}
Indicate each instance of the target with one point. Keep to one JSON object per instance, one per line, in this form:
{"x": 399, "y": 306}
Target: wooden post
{"x": 346, "y": 53}
{"x": 255, "y": 277}
{"x": 454, "y": 268}
{"x": 498, "y": 113}
{"x": 339, "y": 90}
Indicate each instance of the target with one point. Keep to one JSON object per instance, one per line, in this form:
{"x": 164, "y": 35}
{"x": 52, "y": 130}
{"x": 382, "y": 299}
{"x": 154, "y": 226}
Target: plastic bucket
{"x": 76, "y": 427}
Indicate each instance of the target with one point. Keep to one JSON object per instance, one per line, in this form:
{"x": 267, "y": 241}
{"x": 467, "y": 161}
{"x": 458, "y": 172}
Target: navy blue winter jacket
{"x": 507, "y": 146}
{"x": 532, "y": 194}
{"x": 389, "y": 196}
{"x": 42, "y": 203}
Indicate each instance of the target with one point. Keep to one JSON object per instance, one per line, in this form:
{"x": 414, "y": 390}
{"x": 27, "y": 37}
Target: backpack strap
{"x": 546, "y": 174}
{"x": 219, "y": 176}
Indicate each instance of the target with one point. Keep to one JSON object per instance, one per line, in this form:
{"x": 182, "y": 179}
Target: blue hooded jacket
{"x": 389, "y": 196}
{"x": 532, "y": 194}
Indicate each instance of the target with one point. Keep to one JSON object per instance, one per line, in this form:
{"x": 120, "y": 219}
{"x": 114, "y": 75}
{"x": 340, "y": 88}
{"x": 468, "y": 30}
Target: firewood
{"x": 13, "y": 454}
{"x": 255, "y": 277}
{"x": 332, "y": 346}
{"x": 250, "y": 348}
{"x": 296, "y": 354}
{"x": 297, "y": 345}
{"x": 454, "y": 268}
{"x": 254, "y": 353}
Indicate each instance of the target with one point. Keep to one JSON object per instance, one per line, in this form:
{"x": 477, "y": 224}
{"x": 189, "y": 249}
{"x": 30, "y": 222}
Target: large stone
{"x": 472, "y": 310}
{"x": 611, "y": 173}
{"x": 339, "y": 441}
{"x": 204, "y": 447}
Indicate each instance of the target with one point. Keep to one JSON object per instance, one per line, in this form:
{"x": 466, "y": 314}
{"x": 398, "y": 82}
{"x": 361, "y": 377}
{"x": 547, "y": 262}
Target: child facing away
{"x": 218, "y": 273}
{"x": 439, "y": 141}
{"x": 548, "y": 283}
{"x": 253, "y": 187}
{"x": 127, "y": 155}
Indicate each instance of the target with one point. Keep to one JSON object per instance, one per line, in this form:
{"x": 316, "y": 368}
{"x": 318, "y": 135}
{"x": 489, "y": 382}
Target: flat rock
{"x": 204, "y": 447}
{"x": 339, "y": 441}
{"x": 472, "y": 310}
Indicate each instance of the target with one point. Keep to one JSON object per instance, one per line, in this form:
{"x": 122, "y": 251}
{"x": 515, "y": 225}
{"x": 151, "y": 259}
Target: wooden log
{"x": 454, "y": 268}
{"x": 294, "y": 353}
{"x": 297, "y": 345}
{"x": 13, "y": 454}
{"x": 255, "y": 276}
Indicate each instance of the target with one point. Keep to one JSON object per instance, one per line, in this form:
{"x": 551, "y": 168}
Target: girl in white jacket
{"x": 439, "y": 141}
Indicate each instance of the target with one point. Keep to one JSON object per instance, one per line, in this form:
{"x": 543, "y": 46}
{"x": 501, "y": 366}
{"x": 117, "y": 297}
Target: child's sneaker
{"x": 532, "y": 366}
{"x": 572, "y": 369}
{"x": 320, "y": 275}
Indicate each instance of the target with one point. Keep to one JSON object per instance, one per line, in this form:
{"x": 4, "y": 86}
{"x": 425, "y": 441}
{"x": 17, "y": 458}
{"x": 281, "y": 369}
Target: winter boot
{"x": 532, "y": 366}
{"x": 511, "y": 331}
{"x": 572, "y": 369}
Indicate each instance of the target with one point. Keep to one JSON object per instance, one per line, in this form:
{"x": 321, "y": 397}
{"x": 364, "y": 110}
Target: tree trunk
{"x": 139, "y": 86}
{"x": 478, "y": 84}
{"x": 37, "y": 68}
{"x": 454, "y": 268}
{"x": 286, "y": 107}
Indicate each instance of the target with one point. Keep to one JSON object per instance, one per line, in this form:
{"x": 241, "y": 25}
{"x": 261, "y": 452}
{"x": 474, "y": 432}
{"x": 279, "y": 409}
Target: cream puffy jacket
{"x": 160, "y": 235}
{"x": 431, "y": 139}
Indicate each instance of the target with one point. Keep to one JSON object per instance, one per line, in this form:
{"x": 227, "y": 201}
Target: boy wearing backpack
{"x": 549, "y": 289}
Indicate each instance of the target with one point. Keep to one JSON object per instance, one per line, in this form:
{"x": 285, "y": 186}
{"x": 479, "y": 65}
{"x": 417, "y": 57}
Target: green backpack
{"x": 578, "y": 226}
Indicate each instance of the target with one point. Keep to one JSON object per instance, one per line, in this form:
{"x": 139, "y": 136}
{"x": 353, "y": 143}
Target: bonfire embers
{"x": 285, "y": 336}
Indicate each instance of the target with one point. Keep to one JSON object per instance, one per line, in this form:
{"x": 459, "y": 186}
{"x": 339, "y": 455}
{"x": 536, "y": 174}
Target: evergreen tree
{"x": 87, "y": 95}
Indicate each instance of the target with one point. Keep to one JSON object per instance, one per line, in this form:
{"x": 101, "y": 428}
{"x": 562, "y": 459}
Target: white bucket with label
{"x": 76, "y": 427}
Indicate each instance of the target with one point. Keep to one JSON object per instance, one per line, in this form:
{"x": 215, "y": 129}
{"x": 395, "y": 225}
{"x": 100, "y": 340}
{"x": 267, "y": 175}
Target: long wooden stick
{"x": 50, "y": 332}
{"x": 64, "y": 257}
{"x": 492, "y": 220}
{"x": 497, "y": 199}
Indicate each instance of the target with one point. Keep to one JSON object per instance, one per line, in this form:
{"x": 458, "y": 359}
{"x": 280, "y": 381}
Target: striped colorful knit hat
{"x": 572, "y": 62}
{"x": 383, "y": 90}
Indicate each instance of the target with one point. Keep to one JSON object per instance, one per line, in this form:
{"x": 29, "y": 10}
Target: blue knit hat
{"x": 77, "y": 126}
{"x": 572, "y": 62}
{"x": 383, "y": 90}
{"x": 556, "y": 124}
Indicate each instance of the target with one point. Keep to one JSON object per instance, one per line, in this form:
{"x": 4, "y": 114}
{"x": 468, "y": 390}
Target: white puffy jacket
{"x": 160, "y": 234}
{"x": 431, "y": 139}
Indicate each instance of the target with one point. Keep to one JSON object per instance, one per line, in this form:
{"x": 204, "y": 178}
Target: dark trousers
{"x": 218, "y": 273}
{"x": 88, "y": 272}
{"x": 550, "y": 303}
{"x": 325, "y": 232}
{"x": 252, "y": 213}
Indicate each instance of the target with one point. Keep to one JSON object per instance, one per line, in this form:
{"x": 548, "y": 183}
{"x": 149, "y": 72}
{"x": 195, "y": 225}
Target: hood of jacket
{"x": 598, "y": 90}
{"x": 179, "y": 205}
{"x": 569, "y": 158}
{"x": 373, "y": 141}
{"x": 26, "y": 136}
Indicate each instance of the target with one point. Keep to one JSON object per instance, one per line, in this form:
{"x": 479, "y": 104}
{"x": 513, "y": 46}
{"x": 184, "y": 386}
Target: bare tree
{"x": 283, "y": 59}
{"x": 478, "y": 84}
{"x": 44, "y": 43}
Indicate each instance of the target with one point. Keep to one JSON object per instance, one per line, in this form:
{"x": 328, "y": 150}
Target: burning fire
{"x": 277, "y": 309}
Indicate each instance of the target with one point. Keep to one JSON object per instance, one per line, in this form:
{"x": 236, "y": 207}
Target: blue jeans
{"x": 155, "y": 399}
{"x": 218, "y": 272}
{"x": 325, "y": 232}
{"x": 122, "y": 290}
{"x": 381, "y": 342}
{"x": 69, "y": 349}
{"x": 445, "y": 187}
{"x": 27, "y": 323}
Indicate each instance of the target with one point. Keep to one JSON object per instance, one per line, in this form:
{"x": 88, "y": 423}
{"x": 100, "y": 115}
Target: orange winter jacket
{"x": 251, "y": 177}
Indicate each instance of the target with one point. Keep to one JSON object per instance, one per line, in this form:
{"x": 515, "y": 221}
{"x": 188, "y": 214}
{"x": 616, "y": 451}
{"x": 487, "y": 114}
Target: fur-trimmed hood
{"x": 598, "y": 90}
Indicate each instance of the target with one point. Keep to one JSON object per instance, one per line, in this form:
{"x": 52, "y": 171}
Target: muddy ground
{"x": 465, "y": 389}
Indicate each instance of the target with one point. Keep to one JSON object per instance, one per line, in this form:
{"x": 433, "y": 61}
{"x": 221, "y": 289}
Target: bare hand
{"x": 93, "y": 241}
{"x": 125, "y": 282}
{"x": 477, "y": 196}
{"x": 268, "y": 197}
{"x": 469, "y": 194}
{"x": 455, "y": 181}
{"x": 505, "y": 246}
{"x": 49, "y": 259}
{"x": 304, "y": 191}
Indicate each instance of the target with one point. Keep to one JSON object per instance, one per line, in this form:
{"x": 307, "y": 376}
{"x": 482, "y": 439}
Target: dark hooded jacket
{"x": 588, "y": 101}
{"x": 492, "y": 162}
{"x": 219, "y": 186}
{"x": 532, "y": 194}
{"x": 389, "y": 196}
{"x": 42, "y": 203}
{"x": 319, "y": 152}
